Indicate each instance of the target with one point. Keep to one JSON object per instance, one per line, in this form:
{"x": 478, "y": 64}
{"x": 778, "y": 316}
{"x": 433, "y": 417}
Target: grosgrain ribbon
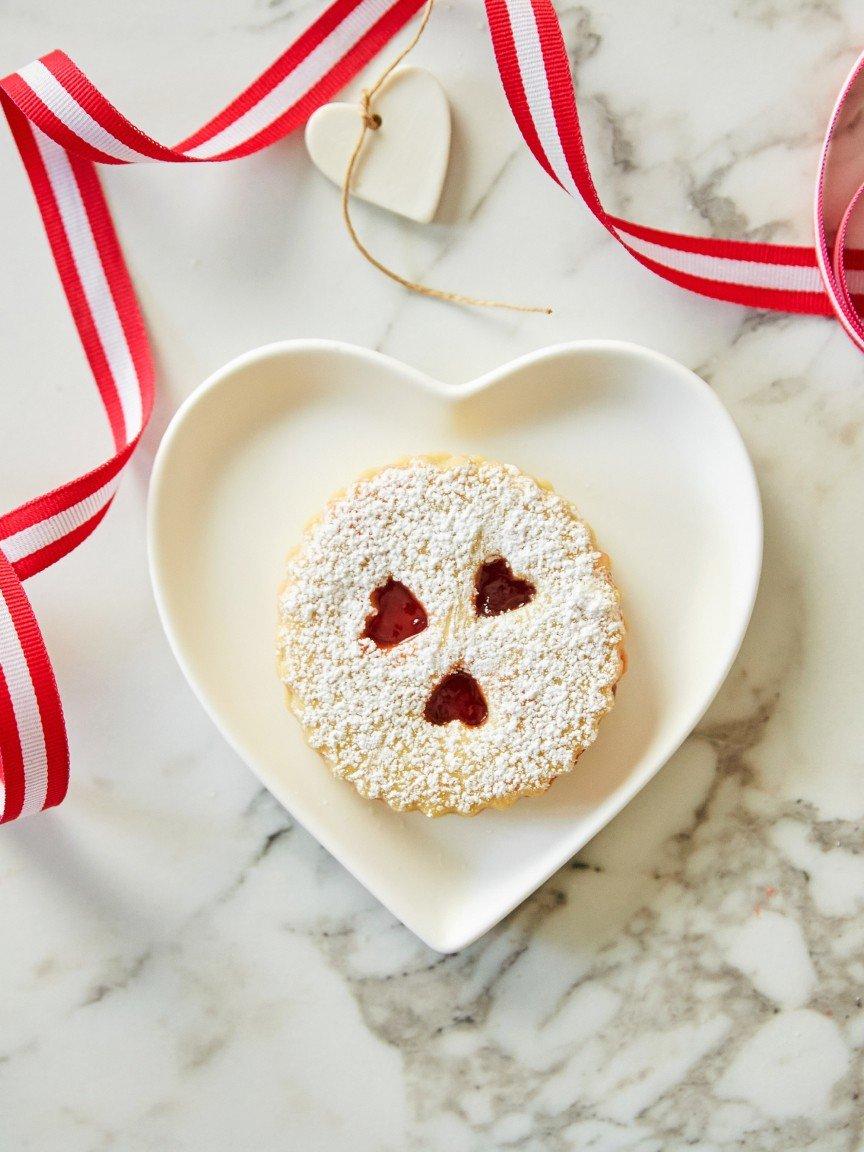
{"x": 839, "y": 266}
{"x": 63, "y": 126}
{"x": 532, "y": 60}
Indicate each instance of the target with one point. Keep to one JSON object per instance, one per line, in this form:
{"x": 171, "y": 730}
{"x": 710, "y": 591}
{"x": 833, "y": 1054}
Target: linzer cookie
{"x": 449, "y": 635}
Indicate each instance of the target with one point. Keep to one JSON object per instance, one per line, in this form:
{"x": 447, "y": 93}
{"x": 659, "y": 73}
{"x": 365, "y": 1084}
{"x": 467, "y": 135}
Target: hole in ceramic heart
{"x": 397, "y": 615}
{"x": 457, "y": 697}
{"x": 498, "y": 590}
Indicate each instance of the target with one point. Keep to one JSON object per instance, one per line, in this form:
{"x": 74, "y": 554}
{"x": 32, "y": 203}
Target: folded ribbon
{"x": 535, "y": 71}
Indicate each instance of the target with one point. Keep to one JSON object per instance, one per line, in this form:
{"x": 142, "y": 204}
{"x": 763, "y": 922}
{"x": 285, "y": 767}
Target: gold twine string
{"x": 371, "y": 122}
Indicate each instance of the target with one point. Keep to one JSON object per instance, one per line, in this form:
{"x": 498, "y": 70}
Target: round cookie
{"x": 449, "y": 635}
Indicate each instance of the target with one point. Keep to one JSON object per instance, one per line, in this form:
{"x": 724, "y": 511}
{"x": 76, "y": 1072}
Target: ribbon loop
{"x": 64, "y": 126}
{"x": 836, "y": 260}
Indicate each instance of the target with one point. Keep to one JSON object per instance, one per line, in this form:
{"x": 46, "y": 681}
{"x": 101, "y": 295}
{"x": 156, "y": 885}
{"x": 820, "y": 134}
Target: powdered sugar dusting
{"x": 546, "y": 669}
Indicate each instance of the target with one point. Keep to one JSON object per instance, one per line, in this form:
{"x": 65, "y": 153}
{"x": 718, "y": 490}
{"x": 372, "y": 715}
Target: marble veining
{"x": 182, "y": 966}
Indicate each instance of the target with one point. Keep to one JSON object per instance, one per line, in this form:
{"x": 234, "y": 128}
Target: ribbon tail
{"x": 34, "y": 754}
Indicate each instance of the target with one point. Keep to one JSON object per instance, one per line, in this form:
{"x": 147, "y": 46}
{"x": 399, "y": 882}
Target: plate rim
{"x": 444, "y": 942}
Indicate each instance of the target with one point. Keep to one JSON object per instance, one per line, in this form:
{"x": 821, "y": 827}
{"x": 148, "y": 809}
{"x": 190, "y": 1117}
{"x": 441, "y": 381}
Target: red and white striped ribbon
{"x": 63, "y": 127}
{"x": 532, "y": 60}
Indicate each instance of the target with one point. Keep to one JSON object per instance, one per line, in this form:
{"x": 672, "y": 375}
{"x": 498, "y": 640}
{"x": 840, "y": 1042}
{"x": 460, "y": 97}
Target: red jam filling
{"x": 398, "y": 614}
{"x": 498, "y": 590}
{"x": 457, "y": 697}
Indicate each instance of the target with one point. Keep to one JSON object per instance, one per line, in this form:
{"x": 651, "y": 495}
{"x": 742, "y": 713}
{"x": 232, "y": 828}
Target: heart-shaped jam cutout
{"x": 498, "y": 590}
{"x": 457, "y": 697}
{"x": 398, "y": 614}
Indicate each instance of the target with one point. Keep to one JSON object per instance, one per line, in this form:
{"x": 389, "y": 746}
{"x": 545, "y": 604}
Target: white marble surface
{"x": 183, "y": 968}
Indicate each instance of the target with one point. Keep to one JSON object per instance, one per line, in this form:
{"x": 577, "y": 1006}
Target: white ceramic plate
{"x": 643, "y": 448}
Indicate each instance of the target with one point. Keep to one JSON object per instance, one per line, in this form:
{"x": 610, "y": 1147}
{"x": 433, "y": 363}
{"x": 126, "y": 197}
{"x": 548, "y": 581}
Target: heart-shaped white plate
{"x": 643, "y": 448}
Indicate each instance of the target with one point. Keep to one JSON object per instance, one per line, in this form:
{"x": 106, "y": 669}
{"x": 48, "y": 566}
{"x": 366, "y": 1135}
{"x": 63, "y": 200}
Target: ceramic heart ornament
{"x": 404, "y": 161}
{"x": 643, "y": 448}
